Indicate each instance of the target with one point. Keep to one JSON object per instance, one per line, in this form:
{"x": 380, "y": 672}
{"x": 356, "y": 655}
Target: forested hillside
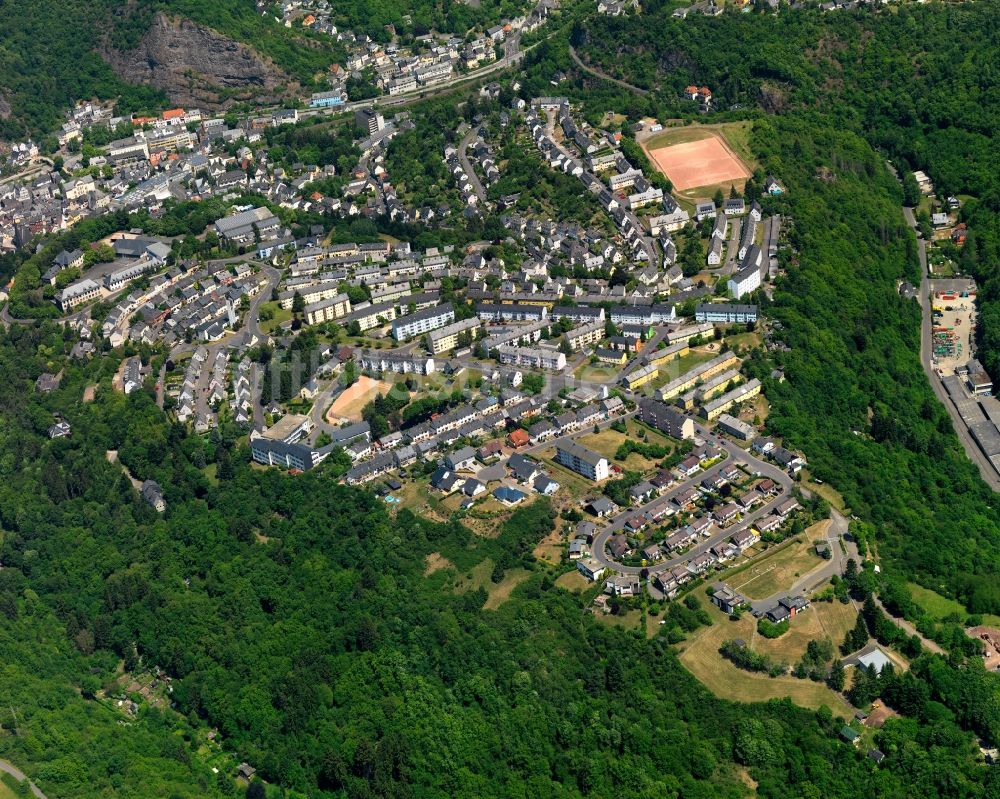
{"x": 51, "y": 54}
{"x": 299, "y": 620}
{"x": 49, "y": 60}
{"x": 856, "y": 399}
{"x": 919, "y": 85}
{"x": 51, "y": 50}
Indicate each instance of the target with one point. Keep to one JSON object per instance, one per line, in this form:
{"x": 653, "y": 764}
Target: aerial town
{"x": 524, "y": 379}
{"x": 566, "y": 398}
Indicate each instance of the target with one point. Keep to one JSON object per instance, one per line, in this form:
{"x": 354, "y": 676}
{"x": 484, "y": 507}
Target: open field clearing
{"x": 550, "y": 548}
{"x": 500, "y": 592}
{"x": 349, "y": 404}
{"x": 629, "y": 620}
{"x": 779, "y": 571}
{"x": 596, "y": 374}
{"x": 706, "y": 161}
{"x": 701, "y": 656}
{"x": 436, "y": 561}
{"x": 607, "y": 442}
{"x": 573, "y": 581}
{"x": 940, "y": 607}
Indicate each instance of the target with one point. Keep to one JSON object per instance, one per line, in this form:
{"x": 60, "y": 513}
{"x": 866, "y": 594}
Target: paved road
{"x": 513, "y": 54}
{"x": 603, "y": 75}
{"x": 648, "y": 348}
{"x": 733, "y": 246}
{"x": 322, "y": 401}
{"x": 7, "y": 320}
{"x": 251, "y": 323}
{"x": 734, "y": 454}
{"x": 822, "y": 574}
{"x": 17, "y": 774}
{"x": 463, "y": 158}
{"x": 251, "y": 331}
{"x": 986, "y": 470}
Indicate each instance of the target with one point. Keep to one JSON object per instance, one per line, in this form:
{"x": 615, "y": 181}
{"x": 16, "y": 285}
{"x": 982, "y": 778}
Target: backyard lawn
{"x": 778, "y": 571}
{"x": 280, "y": 315}
{"x": 679, "y": 366}
{"x": 830, "y": 620}
{"x": 607, "y": 442}
{"x": 598, "y": 373}
{"x": 577, "y": 486}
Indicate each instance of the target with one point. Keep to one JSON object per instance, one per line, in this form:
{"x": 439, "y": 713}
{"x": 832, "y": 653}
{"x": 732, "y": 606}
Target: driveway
{"x": 910, "y": 630}
{"x": 463, "y": 158}
{"x": 733, "y": 249}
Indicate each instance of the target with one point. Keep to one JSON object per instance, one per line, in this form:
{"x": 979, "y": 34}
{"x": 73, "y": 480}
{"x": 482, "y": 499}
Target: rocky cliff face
{"x": 196, "y": 66}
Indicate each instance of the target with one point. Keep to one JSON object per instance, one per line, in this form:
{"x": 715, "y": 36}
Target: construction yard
{"x": 354, "y": 398}
{"x": 953, "y": 329}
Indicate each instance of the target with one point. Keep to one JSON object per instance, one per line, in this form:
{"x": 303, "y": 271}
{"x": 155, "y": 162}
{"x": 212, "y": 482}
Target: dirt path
{"x": 909, "y": 629}
{"x": 112, "y": 457}
{"x": 603, "y": 75}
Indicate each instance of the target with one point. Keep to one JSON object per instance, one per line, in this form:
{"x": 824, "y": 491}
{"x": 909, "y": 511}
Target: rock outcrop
{"x": 196, "y": 66}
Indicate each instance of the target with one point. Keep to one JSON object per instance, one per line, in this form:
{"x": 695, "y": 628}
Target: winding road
{"x": 734, "y": 454}
{"x": 20, "y": 776}
{"x": 603, "y": 75}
